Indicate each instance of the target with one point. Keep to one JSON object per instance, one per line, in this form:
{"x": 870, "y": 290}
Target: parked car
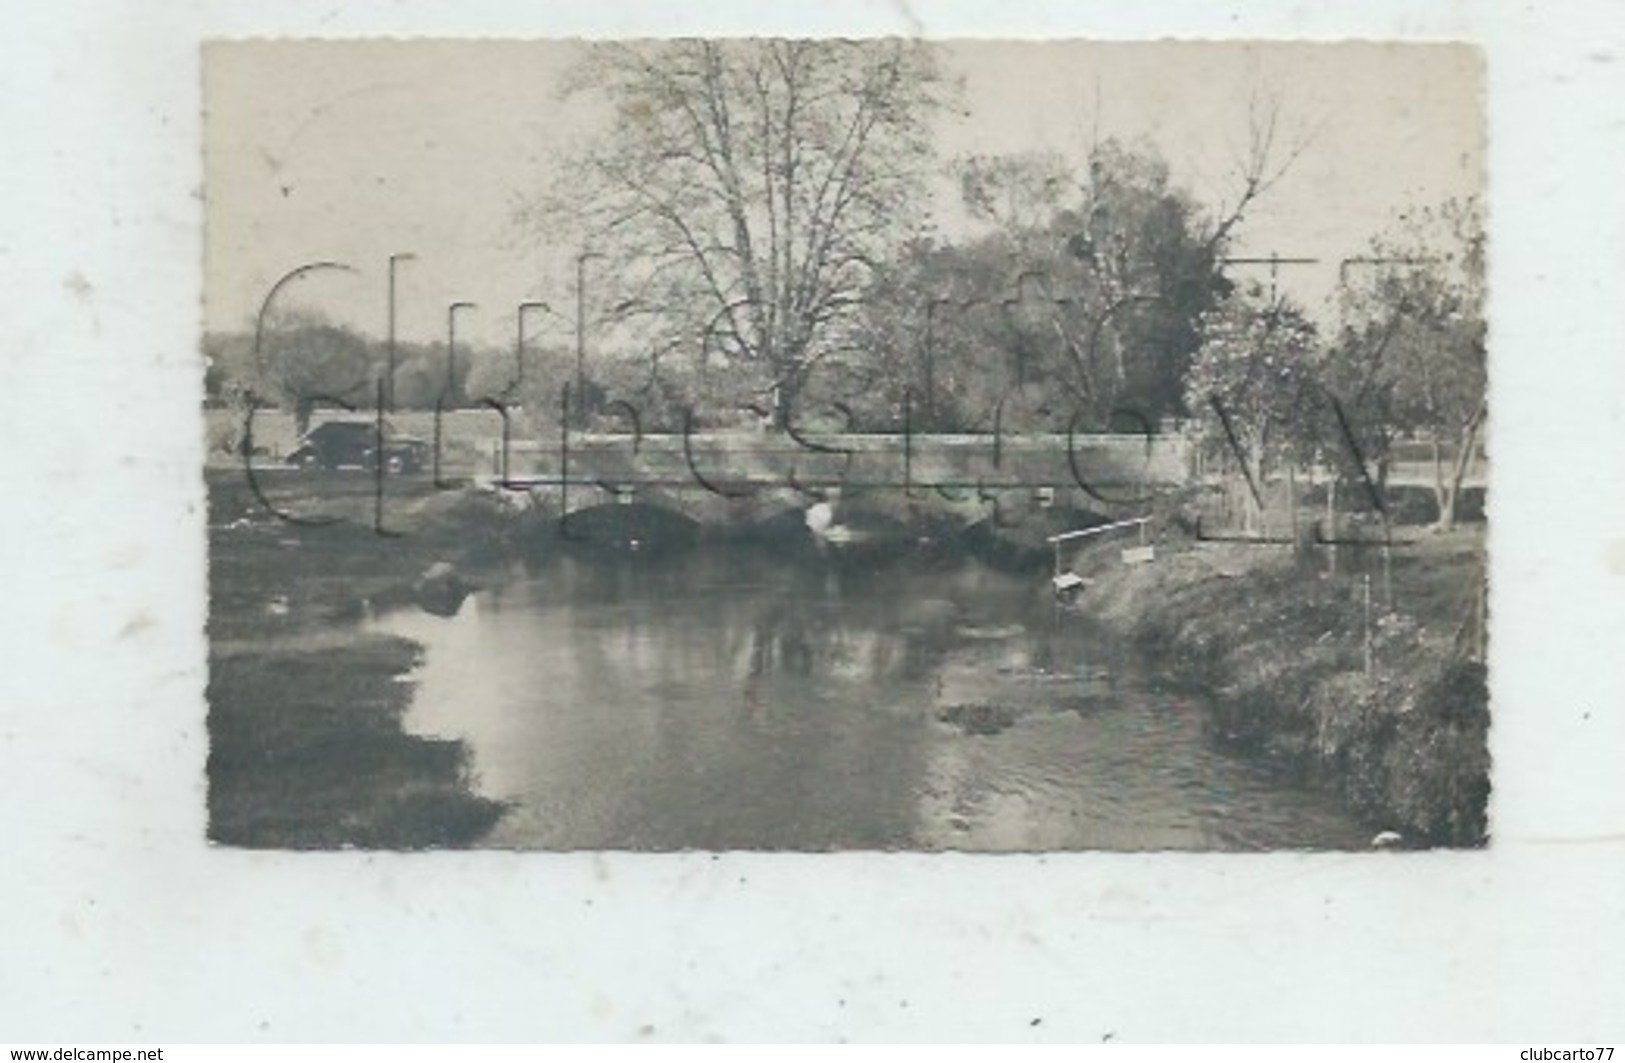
{"x": 337, "y": 444}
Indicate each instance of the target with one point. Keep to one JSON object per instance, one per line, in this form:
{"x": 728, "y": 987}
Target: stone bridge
{"x": 752, "y": 478}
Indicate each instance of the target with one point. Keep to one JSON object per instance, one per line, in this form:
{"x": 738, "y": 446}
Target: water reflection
{"x": 734, "y": 699}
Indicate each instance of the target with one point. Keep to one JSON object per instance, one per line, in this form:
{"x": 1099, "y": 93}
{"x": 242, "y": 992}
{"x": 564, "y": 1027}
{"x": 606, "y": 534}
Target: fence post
{"x": 1331, "y": 527}
{"x": 1292, "y": 502}
{"x": 1366, "y": 582}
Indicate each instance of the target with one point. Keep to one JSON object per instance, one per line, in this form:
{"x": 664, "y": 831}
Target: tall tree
{"x": 934, "y": 325}
{"x": 1081, "y": 297}
{"x": 1145, "y": 269}
{"x": 745, "y": 191}
{"x": 1126, "y": 261}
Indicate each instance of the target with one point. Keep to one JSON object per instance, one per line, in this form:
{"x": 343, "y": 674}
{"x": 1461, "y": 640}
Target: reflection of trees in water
{"x": 819, "y": 637}
{"x": 785, "y": 639}
{"x": 766, "y": 624}
{"x": 726, "y": 697}
{"x": 730, "y": 696}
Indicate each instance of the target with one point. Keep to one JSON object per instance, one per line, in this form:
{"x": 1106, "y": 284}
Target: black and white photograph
{"x": 1059, "y": 522}
{"x": 834, "y": 444}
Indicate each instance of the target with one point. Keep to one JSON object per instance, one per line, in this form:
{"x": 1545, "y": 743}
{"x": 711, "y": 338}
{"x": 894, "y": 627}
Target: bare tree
{"x": 745, "y": 190}
{"x": 1271, "y": 151}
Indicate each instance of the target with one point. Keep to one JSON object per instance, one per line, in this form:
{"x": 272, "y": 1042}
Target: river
{"x": 735, "y": 699}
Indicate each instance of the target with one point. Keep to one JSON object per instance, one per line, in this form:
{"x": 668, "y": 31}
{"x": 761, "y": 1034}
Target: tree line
{"x": 754, "y": 213}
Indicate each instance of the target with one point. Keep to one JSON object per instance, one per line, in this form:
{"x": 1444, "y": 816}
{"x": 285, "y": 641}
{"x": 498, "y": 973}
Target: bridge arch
{"x": 628, "y": 526}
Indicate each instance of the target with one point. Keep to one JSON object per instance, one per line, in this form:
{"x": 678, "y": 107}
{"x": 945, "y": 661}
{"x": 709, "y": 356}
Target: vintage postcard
{"x": 829, "y": 445}
{"x": 1067, "y": 522}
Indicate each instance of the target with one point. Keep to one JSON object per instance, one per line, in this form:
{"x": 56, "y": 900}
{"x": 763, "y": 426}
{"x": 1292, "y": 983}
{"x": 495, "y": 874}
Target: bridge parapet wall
{"x": 853, "y": 460}
{"x": 732, "y": 476}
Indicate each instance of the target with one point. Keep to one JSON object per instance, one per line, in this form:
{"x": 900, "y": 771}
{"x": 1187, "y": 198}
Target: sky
{"x": 351, "y": 151}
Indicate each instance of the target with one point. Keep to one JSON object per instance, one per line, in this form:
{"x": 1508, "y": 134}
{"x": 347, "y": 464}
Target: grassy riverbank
{"x": 1392, "y": 715}
{"x": 307, "y": 748}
